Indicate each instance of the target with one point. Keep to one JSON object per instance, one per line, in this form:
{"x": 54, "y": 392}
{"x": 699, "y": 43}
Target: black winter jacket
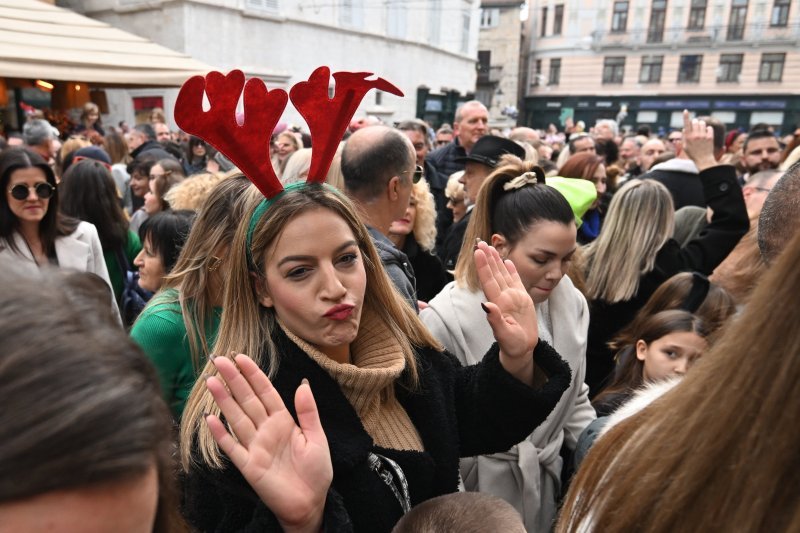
{"x": 458, "y": 412}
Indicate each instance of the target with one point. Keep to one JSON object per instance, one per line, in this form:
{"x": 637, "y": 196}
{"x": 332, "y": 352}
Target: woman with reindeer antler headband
{"x": 309, "y": 302}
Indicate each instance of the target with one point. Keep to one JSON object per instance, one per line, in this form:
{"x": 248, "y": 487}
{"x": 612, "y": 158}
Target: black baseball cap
{"x": 490, "y": 148}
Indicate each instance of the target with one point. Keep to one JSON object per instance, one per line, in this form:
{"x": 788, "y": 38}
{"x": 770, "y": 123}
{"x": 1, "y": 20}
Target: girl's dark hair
{"x": 81, "y": 404}
{"x": 195, "y": 141}
{"x": 142, "y": 165}
{"x": 167, "y": 232}
{"x": 628, "y": 372}
{"x": 90, "y": 194}
{"x": 54, "y": 224}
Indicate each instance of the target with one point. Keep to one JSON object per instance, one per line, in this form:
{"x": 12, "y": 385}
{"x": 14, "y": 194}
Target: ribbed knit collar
{"x": 377, "y": 361}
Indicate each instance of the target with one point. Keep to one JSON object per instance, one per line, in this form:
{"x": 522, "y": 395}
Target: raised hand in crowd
{"x": 698, "y": 142}
{"x": 288, "y": 466}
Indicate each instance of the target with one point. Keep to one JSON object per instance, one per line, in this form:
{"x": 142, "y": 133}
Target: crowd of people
{"x": 462, "y": 329}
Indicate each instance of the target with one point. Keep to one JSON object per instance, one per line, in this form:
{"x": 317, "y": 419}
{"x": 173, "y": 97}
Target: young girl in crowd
{"x": 163, "y": 176}
{"x": 532, "y": 225}
{"x": 634, "y": 252}
{"x": 162, "y": 238}
{"x": 179, "y": 325}
{"x": 667, "y": 344}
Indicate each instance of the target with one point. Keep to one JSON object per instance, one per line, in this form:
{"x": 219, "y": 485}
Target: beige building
{"x": 499, "y": 50}
{"x": 643, "y": 61}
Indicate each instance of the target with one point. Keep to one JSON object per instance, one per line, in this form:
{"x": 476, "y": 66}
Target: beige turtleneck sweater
{"x": 368, "y": 383}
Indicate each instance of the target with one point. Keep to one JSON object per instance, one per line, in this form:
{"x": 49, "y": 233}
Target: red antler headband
{"x": 247, "y": 144}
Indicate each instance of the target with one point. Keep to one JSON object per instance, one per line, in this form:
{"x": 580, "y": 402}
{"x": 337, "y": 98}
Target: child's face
{"x": 671, "y": 355}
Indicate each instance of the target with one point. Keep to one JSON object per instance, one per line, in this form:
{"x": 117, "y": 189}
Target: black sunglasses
{"x": 42, "y": 190}
{"x": 419, "y": 173}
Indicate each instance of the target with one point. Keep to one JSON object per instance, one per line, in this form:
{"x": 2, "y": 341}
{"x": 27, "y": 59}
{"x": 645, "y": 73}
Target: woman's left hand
{"x": 509, "y": 310}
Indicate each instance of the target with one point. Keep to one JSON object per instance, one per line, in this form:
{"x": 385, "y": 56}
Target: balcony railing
{"x": 680, "y": 37}
{"x": 490, "y": 75}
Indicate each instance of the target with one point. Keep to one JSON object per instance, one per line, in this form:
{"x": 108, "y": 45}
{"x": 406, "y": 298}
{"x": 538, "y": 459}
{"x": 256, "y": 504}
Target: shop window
{"x": 730, "y": 67}
{"x": 613, "y": 69}
{"x": 771, "y": 68}
{"x": 651, "y": 69}
{"x": 490, "y": 17}
{"x": 689, "y": 69}
{"x": 697, "y": 15}
{"x": 619, "y": 20}
{"x": 780, "y": 13}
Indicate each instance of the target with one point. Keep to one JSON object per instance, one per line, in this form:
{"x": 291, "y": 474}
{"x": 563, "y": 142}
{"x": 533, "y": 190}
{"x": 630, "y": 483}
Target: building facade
{"x": 430, "y": 43}
{"x": 499, "y": 47}
{"x": 644, "y": 61}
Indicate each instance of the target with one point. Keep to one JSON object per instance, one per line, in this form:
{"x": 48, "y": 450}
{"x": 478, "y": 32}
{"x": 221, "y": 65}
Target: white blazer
{"x": 81, "y": 250}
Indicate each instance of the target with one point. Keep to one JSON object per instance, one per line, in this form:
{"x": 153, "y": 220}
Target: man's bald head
{"x": 372, "y": 156}
{"x": 779, "y": 221}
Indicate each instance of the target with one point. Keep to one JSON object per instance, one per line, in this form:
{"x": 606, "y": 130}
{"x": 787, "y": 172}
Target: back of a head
{"x": 147, "y": 130}
{"x": 719, "y": 132}
{"x": 461, "y": 512}
{"x": 37, "y": 131}
{"x": 371, "y": 157}
{"x": 81, "y": 403}
{"x": 778, "y": 221}
{"x": 581, "y": 166}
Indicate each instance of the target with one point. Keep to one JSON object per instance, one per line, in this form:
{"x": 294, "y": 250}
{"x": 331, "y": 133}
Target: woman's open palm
{"x": 510, "y": 308}
{"x": 289, "y": 466}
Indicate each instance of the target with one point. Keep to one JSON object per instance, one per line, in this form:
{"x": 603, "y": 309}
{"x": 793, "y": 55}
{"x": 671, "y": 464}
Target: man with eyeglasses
{"x": 674, "y": 141}
{"x": 379, "y": 169}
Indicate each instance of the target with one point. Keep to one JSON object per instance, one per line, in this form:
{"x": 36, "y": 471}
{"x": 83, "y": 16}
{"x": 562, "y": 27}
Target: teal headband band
{"x": 262, "y": 208}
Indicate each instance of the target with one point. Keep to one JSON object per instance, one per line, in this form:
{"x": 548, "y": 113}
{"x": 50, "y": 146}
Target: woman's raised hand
{"x": 509, "y": 309}
{"x": 698, "y": 141}
{"x": 289, "y": 466}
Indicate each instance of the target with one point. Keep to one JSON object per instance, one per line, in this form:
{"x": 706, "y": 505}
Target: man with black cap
{"x": 478, "y": 164}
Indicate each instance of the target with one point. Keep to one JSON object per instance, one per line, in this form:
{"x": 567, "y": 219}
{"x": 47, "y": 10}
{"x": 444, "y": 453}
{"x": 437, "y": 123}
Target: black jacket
{"x": 702, "y": 254}
{"x": 452, "y": 243}
{"x": 444, "y": 159}
{"x": 458, "y": 412}
{"x": 685, "y": 187}
{"x": 444, "y": 216}
{"x": 430, "y": 274}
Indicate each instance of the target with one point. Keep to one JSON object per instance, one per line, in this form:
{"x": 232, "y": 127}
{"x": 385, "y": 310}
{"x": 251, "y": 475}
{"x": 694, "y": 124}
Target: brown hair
{"x": 581, "y": 166}
{"x": 81, "y": 403}
{"x": 719, "y": 451}
{"x": 173, "y": 175}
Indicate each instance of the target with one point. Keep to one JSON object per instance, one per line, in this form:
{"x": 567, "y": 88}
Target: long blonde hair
{"x": 425, "y": 221}
{"x": 214, "y": 227}
{"x": 719, "y": 452}
{"x": 639, "y": 222}
{"x": 247, "y": 326}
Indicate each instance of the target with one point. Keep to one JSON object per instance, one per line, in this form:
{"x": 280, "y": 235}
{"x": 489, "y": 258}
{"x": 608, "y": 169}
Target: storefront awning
{"x": 42, "y": 41}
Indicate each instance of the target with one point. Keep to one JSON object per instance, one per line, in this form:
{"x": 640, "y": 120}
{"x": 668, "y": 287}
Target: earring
{"x": 215, "y": 264}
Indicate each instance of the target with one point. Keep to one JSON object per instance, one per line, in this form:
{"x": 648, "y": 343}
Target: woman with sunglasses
{"x": 32, "y": 230}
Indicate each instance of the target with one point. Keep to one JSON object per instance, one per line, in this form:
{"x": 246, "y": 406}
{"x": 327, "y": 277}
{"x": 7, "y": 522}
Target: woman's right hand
{"x": 698, "y": 142}
{"x": 288, "y": 466}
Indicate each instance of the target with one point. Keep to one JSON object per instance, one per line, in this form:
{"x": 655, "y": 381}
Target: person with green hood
{"x": 532, "y": 222}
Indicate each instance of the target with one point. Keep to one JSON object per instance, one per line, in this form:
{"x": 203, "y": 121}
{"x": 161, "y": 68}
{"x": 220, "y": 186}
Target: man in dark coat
{"x": 481, "y": 161}
{"x": 470, "y": 124}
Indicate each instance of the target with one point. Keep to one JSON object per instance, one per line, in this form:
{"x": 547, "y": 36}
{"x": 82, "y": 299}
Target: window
{"x": 490, "y": 17}
{"x": 651, "y": 69}
{"x": 558, "y": 19}
{"x": 466, "y": 22}
{"x": 658, "y": 14}
{"x": 435, "y": 22}
{"x": 619, "y": 21}
{"x": 543, "y": 28}
{"x": 771, "y": 68}
{"x": 697, "y": 15}
{"x": 263, "y": 5}
{"x": 351, "y": 13}
{"x": 484, "y": 65}
{"x": 396, "y": 19}
{"x": 613, "y": 69}
{"x": 780, "y": 13}
{"x": 555, "y": 72}
{"x": 737, "y": 20}
{"x": 730, "y": 66}
{"x": 689, "y": 70}
{"x": 536, "y": 75}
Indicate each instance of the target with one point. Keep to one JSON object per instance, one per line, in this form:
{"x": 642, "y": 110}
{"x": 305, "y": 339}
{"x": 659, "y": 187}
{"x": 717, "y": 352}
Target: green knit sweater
{"x": 161, "y": 333}
{"x": 132, "y": 248}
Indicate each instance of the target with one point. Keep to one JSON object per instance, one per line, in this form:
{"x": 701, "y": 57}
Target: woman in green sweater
{"x": 180, "y": 323}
